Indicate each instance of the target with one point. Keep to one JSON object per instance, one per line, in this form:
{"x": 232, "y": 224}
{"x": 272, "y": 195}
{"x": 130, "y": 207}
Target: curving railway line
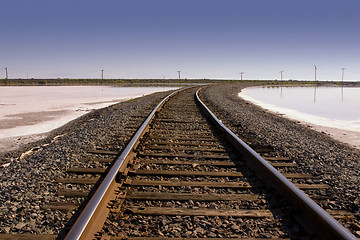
{"x": 184, "y": 175}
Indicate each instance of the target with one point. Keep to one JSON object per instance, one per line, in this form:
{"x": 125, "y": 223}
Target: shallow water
{"x": 334, "y": 107}
{"x": 28, "y": 110}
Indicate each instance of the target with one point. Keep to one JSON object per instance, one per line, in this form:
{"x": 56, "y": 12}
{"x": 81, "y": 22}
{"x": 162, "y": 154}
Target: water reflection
{"x": 314, "y": 98}
{"x": 329, "y": 102}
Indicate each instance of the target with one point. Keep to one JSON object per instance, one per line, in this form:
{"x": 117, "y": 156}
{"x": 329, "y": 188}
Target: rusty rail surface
{"x": 315, "y": 218}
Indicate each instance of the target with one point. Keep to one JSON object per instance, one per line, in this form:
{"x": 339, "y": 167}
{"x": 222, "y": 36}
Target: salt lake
{"x": 330, "y": 107}
{"x": 29, "y": 110}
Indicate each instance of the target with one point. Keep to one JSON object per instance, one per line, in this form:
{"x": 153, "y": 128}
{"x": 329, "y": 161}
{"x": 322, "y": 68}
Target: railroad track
{"x": 186, "y": 177}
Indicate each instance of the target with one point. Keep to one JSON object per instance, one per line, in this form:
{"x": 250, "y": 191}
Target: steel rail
{"x": 315, "y": 219}
{"x": 82, "y": 223}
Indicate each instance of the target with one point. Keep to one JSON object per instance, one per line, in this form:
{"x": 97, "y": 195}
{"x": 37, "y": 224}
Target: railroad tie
{"x": 190, "y": 196}
{"x": 86, "y": 170}
{"x": 137, "y": 182}
{"x": 193, "y": 163}
{"x": 184, "y": 143}
{"x": 100, "y": 160}
{"x": 92, "y": 180}
{"x": 27, "y": 236}
{"x": 154, "y": 147}
{"x": 70, "y": 193}
{"x": 199, "y": 212}
{"x": 168, "y": 155}
{"x": 187, "y": 173}
{"x": 65, "y": 207}
{"x": 277, "y": 159}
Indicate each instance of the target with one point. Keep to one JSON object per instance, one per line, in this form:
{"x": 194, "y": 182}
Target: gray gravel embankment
{"x": 330, "y": 161}
{"x": 25, "y": 185}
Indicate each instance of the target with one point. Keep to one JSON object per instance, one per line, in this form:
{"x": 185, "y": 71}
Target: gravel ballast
{"x": 328, "y": 160}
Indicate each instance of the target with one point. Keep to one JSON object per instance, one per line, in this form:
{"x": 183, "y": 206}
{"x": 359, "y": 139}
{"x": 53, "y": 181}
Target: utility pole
{"x": 315, "y": 71}
{"x": 179, "y": 74}
{"x": 6, "y": 71}
{"x": 241, "y": 74}
{"x": 102, "y": 74}
{"x": 281, "y": 75}
{"x": 342, "y": 75}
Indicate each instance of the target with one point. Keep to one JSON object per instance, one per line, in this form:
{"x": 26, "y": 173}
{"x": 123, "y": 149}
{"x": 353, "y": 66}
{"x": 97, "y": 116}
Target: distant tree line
{"x": 154, "y": 82}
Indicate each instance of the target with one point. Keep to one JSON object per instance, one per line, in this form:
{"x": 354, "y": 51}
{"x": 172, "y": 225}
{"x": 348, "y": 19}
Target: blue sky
{"x": 201, "y": 38}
